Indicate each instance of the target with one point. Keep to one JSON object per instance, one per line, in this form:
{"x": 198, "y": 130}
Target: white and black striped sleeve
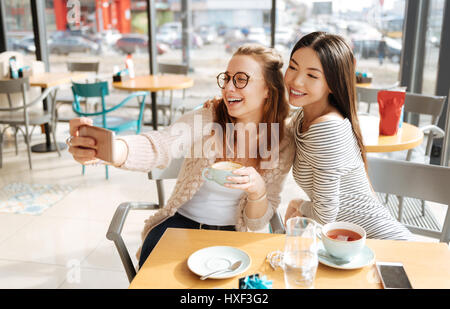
{"x": 326, "y": 148}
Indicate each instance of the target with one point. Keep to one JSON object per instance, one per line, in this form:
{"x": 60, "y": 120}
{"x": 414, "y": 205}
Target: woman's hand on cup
{"x": 249, "y": 180}
{"x": 82, "y": 148}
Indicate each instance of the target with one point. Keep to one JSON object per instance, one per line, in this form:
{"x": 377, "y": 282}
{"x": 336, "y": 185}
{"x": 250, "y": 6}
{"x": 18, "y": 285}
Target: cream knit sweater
{"x": 156, "y": 149}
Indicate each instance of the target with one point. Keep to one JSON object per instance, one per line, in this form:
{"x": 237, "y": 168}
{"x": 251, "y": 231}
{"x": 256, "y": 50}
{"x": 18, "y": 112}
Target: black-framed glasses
{"x": 240, "y": 79}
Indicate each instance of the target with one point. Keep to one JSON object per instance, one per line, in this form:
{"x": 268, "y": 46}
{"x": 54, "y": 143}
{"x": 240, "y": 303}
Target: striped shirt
{"x": 328, "y": 166}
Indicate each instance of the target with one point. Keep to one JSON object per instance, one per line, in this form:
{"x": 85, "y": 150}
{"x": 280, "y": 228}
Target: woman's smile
{"x": 305, "y": 80}
{"x": 245, "y": 103}
{"x": 295, "y": 94}
{"x": 234, "y": 102}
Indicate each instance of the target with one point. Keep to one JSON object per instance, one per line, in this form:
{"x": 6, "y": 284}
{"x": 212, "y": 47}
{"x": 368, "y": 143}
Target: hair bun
{"x": 278, "y": 64}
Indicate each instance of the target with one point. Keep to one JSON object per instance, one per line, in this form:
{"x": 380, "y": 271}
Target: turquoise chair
{"x": 114, "y": 123}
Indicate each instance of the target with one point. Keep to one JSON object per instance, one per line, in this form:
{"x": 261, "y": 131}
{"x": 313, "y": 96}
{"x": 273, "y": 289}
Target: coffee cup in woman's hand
{"x": 219, "y": 171}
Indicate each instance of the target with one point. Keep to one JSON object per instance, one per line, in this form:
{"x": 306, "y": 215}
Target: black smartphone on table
{"x": 393, "y": 275}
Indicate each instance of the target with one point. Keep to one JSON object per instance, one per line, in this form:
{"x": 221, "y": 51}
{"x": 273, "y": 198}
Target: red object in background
{"x": 390, "y": 105}
{"x": 114, "y": 14}
{"x": 102, "y": 14}
{"x": 123, "y": 13}
{"x": 60, "y": 7}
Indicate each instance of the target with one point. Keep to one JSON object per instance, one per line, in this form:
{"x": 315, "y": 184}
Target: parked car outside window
{"x": 369, "y": 48}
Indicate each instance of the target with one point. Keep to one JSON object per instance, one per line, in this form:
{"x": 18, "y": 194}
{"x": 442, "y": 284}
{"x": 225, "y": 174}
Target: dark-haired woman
{"x": 330, "y": 163}
{"x": 253, "y": 94}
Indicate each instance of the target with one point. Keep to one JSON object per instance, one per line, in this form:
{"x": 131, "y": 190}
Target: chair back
{"x": 90, "y": 90}
{"x": 83, "y": 66}
{"x": 167, "y": 68}
{"x": 425, "y": 105}
{"x": 10, "y": 86}
{"x": 415, "y": 180}
{"x": 99, "y": 89}
{"x": 170, "y": 172}
{"x": 445, "y": 159}
{"x": 367, "y": 95}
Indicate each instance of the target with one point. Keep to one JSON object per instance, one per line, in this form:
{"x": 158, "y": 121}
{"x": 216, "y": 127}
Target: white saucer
{"x": 364, "y": 258}
{"x": 207, "y": 260}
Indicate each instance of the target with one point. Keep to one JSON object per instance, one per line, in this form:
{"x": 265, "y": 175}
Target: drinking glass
{"x": 300, "y": 253}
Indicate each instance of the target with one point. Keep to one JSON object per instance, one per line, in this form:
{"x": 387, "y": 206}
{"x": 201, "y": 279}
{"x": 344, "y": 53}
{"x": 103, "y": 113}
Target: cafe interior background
{"x": 53, "y": 219}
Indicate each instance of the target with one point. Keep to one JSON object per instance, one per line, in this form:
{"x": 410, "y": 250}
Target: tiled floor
{"x": 66, "y": 247}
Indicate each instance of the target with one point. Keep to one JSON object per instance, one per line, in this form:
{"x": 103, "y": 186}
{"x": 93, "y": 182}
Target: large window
{"x": 369, "y": 26}
{"x": 433, "y": 39}
{"x": 373, "y": 29}
{"x": 107, "y": 30}
{"x": 219, "y": 27}
{"x": 19, "y": 27}
{"x": 102, "y": 30}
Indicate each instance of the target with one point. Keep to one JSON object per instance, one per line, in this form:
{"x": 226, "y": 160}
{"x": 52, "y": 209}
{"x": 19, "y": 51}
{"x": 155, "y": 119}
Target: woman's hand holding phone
{"x": 82, "y": 147}
{"x": 89, "y": 144}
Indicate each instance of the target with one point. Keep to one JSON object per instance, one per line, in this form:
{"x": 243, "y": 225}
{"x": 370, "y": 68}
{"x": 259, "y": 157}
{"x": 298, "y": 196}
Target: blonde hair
{"x": 276, "y": 108}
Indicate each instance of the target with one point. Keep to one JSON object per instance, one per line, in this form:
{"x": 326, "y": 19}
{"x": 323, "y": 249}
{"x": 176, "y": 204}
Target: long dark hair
{"x": 338, "y": 64}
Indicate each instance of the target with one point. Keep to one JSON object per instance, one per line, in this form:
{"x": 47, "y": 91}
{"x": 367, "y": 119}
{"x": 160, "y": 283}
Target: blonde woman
{"x": 253, "y": 93}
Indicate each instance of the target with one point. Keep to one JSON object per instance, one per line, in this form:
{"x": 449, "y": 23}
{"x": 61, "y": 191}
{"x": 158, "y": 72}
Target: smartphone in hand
{"x": 104, "y": 141}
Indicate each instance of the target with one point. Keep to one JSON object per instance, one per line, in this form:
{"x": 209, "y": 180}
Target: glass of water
{"x": 300, "y": 253}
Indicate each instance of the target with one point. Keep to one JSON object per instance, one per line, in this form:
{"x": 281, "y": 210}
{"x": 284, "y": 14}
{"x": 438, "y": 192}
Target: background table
{"x": 154, "y": 83}
{"x": 427, "y": 264}
{"x": 47, "y": 80}
{"x": 407, "y": 137}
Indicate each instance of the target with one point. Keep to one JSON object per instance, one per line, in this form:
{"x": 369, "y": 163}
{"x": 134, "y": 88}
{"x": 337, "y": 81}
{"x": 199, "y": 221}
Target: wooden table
{"x": 427, "y": 264}
{"x": 47, "y": 80}
{"x": 378, "y": 86}
{"x": 51, "y": 79}
{"x": 407, "y": 137}
{"x": 154, "y": 83}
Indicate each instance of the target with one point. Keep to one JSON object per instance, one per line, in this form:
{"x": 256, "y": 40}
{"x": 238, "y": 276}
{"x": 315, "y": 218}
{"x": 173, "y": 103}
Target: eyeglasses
{"x": 240, "y": 79}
